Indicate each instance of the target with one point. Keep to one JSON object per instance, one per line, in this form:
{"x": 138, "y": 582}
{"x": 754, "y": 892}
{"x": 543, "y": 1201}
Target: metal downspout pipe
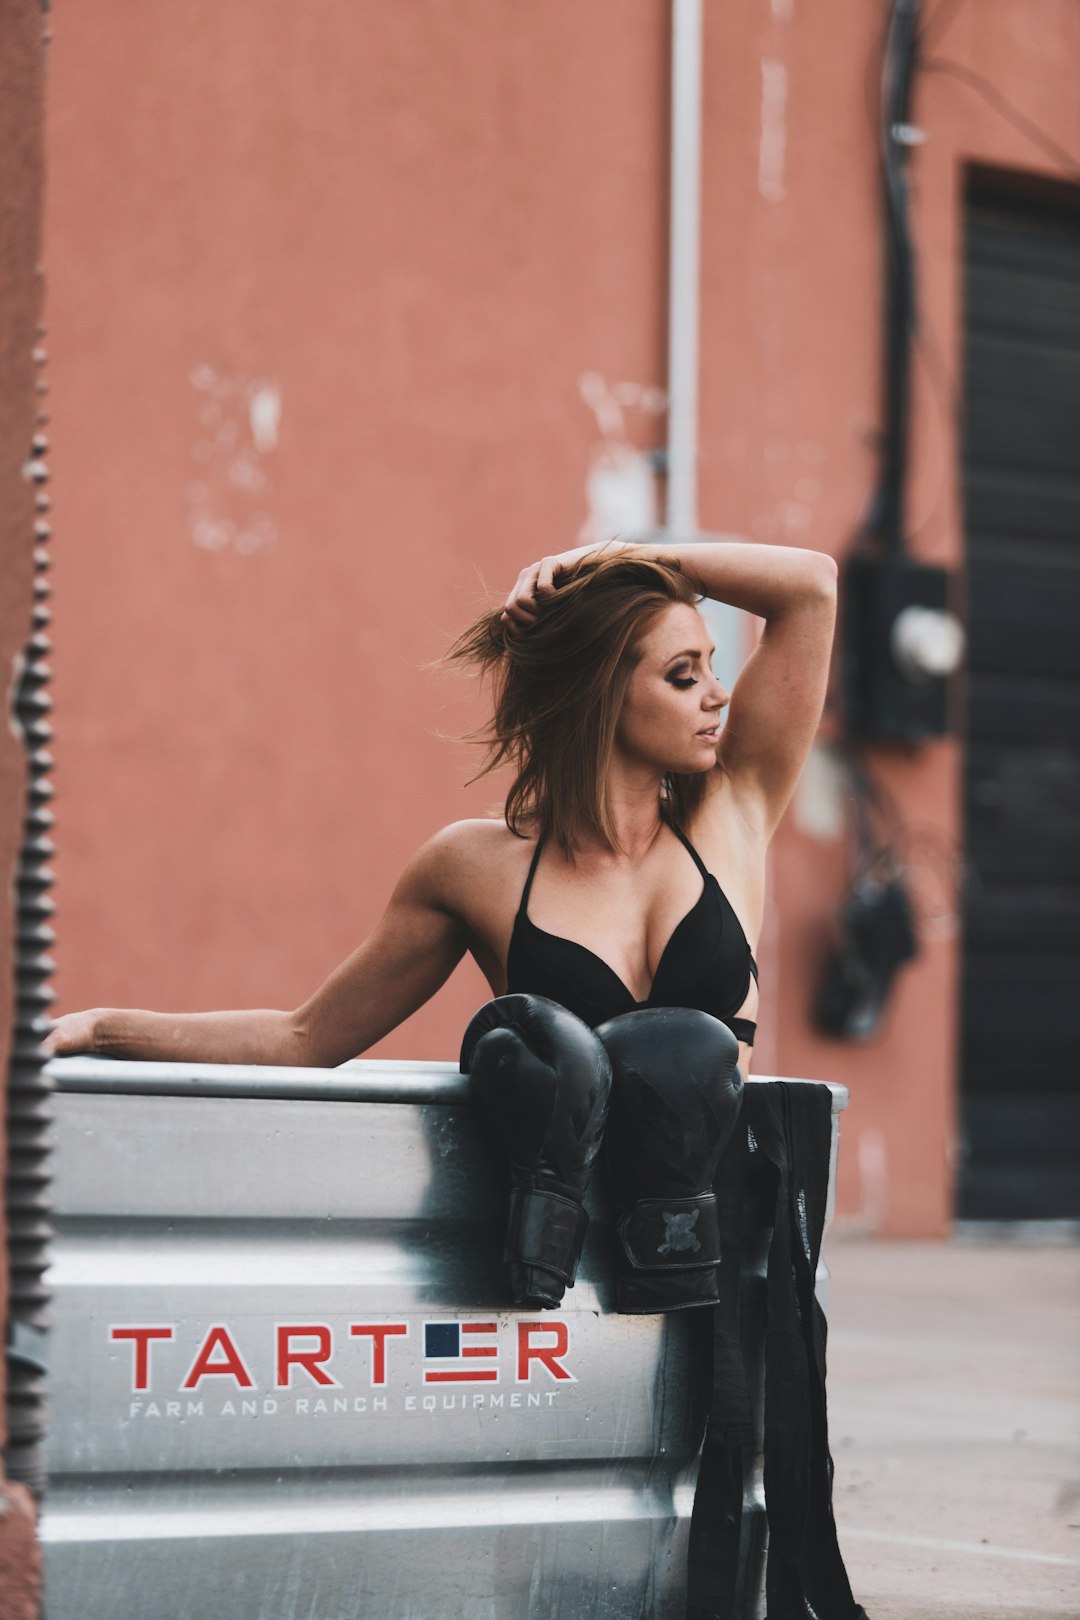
{"x": 684, "y": 300}
{"x": 684, "y": 253}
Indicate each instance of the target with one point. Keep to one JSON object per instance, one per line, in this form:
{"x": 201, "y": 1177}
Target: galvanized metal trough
{"x": 285, "y": 1385}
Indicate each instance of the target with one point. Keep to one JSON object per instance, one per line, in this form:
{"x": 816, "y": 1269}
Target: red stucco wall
{"x": 421, "y": 223}
{"x": 791, "y": 410}
{"x": 417, "y": 226}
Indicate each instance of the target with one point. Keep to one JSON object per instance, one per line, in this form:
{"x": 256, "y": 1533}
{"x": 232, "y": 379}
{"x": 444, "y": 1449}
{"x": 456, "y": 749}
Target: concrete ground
{"x": 954, "y": 1421}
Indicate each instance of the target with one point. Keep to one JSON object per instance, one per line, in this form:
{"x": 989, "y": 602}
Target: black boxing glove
{"x": 676, "y": 1099}
{"x": 543, "y": 1080}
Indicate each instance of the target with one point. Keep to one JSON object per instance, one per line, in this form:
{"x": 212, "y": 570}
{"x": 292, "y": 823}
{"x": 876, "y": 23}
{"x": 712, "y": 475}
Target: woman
{"x": 599, "y": 891}
{"x": 600, "y": 887}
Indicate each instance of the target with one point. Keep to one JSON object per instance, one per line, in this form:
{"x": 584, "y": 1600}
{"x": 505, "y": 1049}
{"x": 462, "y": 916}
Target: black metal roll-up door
{"x": 1020, "y": 1019}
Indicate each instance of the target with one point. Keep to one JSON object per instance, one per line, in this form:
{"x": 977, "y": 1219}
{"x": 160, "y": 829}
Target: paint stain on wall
{"x": 620, "y": 480}
{"x": 819, "y": 806}
{"x": 229, "y": 496}
{"x": 794, "y": 477}
{"x": 772, "y": 145}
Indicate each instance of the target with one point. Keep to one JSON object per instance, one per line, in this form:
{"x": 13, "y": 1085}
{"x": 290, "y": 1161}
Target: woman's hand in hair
{"x": 537, "y": 582}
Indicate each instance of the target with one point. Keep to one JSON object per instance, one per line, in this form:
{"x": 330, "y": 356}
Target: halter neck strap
{"x": 687, "y": 845}
{"x": 681, "y": 836}
{"x": 532, "y": 873}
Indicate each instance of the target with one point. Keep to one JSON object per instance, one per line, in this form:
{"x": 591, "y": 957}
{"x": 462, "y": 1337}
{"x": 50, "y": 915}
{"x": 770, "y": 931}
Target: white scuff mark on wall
{"x": 620, "y": 489}
{"x": 796, "y": 517}
{"x": 794, "y": 513}
{"x": 772, "y": 146}
{"x": 620, "y": 481}
{"x": 264, "y": 414}
{"x": 246, "y": 473}
{"x": 872, "y": 1157}
{"x": 811, "y": 452}
{"x": 211, "y": 534}
{"x": 782, "y": 10}
{"x": 821, "y": 795}
{"x": 228, "y": 503}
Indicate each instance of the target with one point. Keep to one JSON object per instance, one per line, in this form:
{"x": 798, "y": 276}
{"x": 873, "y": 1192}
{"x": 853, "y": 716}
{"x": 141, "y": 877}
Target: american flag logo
{"x": 451, "y": 1351}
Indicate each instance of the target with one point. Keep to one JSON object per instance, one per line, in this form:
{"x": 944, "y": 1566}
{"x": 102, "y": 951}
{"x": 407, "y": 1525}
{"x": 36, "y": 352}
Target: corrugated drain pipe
{"x": 29, "y": 1112}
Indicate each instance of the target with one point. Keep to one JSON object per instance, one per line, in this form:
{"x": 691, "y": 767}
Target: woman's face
{"x": 673, "y": 703}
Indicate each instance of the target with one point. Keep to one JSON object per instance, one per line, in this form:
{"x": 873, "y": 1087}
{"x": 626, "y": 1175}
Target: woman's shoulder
{"x": 479, "y": 837}
{"x": 467, "y": 856}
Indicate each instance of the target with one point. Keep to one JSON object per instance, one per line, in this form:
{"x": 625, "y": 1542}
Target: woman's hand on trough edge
{"x": 73, "y": 1032}
{"x": 249, "y": 1035}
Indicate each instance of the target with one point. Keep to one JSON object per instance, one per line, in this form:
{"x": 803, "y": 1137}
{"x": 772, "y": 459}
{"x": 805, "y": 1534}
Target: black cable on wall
{"x": 898, "y": 70}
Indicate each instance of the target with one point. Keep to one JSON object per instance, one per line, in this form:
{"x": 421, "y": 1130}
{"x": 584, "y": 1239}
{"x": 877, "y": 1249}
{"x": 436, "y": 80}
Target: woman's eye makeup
{"x": 682, "y": 678}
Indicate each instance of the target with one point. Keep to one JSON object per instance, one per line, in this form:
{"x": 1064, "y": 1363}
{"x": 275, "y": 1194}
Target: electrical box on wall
{"x": 900, "y": 643}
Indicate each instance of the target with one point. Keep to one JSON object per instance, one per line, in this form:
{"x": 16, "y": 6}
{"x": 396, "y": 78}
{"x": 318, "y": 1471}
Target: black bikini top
{"x": 707, "y": 963}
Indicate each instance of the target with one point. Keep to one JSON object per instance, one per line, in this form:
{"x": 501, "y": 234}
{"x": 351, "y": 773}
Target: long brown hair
{"x": 559, "y": 684}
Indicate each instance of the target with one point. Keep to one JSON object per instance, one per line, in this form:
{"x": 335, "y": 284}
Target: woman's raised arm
{"x": 776, "y": 702}
{"x": 410, "y": 953}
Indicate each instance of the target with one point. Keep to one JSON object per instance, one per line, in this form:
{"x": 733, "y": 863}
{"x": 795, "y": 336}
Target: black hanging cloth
{"x": 775, "y": 1173}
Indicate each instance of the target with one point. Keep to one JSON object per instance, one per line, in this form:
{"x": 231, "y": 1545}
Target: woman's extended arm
{"x": 410, "y": 953}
